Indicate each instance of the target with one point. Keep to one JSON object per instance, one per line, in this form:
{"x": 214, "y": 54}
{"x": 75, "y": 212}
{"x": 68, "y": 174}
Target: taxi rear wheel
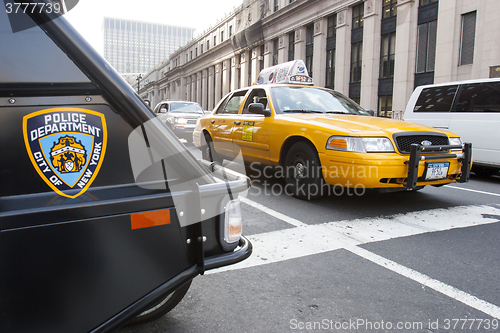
{"x": 163, "y": 307}
{"x": 303, "y": 176}
{"x": 208, "y": 152}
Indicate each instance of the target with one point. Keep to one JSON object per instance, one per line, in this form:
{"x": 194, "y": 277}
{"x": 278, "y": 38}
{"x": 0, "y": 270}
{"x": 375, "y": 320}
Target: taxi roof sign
{"x": 289, "y": 72}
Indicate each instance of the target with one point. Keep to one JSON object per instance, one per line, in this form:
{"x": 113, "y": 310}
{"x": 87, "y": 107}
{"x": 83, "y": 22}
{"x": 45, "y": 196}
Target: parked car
{"x": 179, "y": 116}
{"x": 104, "y": 216}
{"x": 469, "y": 108}
{"x": 316, "y": 135}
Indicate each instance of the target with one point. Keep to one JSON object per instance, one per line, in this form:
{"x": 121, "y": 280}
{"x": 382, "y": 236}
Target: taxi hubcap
{"x": 300, "y": 171}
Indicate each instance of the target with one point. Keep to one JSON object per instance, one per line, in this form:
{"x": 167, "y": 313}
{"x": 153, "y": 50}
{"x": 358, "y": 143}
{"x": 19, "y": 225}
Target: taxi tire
{"x": 162, "y": 307}
{"x": 208, "y": 152}
{"x": 311, "y": 185}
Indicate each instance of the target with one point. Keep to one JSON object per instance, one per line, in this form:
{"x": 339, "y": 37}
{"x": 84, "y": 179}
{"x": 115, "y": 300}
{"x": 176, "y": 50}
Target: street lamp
{"x": 139, "y": 78}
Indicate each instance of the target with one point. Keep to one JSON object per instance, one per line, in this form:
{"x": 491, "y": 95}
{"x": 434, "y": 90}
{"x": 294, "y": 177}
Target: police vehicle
{"x": 105, "y": 217}
{"x": 318, "y": 137}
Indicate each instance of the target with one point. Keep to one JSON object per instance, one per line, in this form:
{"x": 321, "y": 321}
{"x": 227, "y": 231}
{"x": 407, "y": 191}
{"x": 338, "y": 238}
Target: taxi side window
{"x": 256, "y": 96}
{"x": 232, "y": 105}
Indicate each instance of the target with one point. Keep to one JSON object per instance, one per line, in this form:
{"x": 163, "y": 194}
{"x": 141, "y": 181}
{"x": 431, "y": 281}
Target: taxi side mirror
{"x": 370, "y": 112}
{"x": 258, "y": 108}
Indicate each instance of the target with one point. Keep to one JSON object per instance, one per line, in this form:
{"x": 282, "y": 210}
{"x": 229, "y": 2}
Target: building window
{"x": 426, "y": 2}
{"x": 291, "y": 46}
{"x": 309, "y": 48}
{"x": 385, "y": 106}
{"x": 230, "y": 30}
{"x": 208, "y": 44}
{"x": 426, "y": 47}
{"x": 275, "y": 51}
{"x": 276, "y": 7}
{"x": 201, "y": 48}
{"x": 356, "y": 61}
{"x": 467, "y": 38}
{"x": 215, "y": 40}
{"x": 191, "y": 55}
{"x": 196, "y": 52}
{"x": 389, "y": 8}
{"x": 222, "y": 36}
{"x": 330, "y": 51}
{"x": 387, "y": 54}
{"x": 357, "y": 16}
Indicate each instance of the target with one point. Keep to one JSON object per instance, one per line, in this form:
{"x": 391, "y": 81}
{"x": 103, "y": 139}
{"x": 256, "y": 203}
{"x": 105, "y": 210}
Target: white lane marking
{"x": 272, "y": 212}
{"x": 305, "y": 240}
{"x": 467, "y": 299}
{"x": 470, "y": 190}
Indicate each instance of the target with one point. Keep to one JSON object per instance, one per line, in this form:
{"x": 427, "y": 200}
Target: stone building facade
{"x": 374, "y": 51}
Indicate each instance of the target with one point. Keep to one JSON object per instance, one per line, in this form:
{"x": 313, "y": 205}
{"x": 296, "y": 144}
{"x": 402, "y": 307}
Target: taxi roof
{"x": 289, "y": 72}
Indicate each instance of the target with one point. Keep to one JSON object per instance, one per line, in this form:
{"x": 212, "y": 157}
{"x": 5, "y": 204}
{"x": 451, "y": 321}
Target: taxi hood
{"x": 355, "y": 125}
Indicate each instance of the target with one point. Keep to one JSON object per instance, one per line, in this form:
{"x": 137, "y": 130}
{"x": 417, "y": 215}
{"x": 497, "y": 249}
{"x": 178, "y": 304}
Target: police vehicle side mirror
{"x": 258, "y": 108}
{"x": 163, "y": 110}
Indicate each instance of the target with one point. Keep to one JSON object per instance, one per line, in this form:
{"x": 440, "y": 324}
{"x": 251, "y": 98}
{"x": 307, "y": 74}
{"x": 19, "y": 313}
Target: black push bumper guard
{"x": 417, "y": 152}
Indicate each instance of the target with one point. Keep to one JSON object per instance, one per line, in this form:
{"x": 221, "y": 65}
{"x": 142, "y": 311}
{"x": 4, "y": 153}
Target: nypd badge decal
{"x": 66, "y": 147}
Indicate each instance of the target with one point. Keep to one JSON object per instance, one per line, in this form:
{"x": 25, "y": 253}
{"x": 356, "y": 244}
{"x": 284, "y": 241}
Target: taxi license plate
{"x": 436, "y": 171}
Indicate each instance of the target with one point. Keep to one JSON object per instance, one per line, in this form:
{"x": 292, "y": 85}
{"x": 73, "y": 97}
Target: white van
{"x": 470, "y": 109}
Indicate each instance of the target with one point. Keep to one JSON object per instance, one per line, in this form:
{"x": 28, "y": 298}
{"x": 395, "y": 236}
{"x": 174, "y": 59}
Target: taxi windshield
{"x": 289, "y": 99}
{"x": 182, "y": 107}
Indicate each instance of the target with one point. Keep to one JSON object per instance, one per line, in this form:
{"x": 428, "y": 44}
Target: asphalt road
{"x": 427, "y": 261}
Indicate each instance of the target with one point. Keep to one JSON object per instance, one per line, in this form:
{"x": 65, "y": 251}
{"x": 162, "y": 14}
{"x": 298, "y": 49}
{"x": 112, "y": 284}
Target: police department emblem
{"x": 66, "y": 147}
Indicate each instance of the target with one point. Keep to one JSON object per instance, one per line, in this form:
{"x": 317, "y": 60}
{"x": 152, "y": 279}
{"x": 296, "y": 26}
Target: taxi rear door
{"x": 223, "y": 123}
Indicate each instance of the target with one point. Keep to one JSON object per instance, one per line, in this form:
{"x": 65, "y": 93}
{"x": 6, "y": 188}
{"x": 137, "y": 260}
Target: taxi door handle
{"x": 213, "y": 121}
{"x": 237, "y": 122}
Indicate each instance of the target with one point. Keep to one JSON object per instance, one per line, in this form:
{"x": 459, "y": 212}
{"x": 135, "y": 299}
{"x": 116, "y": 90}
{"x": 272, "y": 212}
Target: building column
{"x": 199, "y": 87}
{"x": 218, "y": 86}
{"x": 282, "y": 51}
{"x": 300, "y": 44}
{"x": 371, "y": 54}
{"x": 234, "y": 78}
{"x": 319, "y": 53}
{"x": 268, "y": 54}
{"x": 244, "y": 69}
{"x": 204, "y": 89}
{"x": 226, "y": 67}
{"x": 405, "y": 53}
{"x": 255, "y": 65}
{"x": 210, "y": 88}
{"x": 342, "y": 52}
{"x": 447, "y": 49}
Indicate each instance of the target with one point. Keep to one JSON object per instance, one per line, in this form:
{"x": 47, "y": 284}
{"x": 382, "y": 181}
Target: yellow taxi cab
{"x": 319, "y": 137}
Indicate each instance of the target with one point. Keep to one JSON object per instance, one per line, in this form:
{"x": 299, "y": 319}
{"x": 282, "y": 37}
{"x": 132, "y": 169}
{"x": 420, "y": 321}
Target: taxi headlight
{"x": 232, "y": 221}
{"x": 180, "y": 120}
{"x": 455, "y": 141}
{"x": 359, "y": 145}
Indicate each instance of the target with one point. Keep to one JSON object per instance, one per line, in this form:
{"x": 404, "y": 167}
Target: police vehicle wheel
{"x": 208, "y": 152}
{"x": 161, "y": 308}
{"x": 303, "y": 176}
{"x": 483, "y": 171}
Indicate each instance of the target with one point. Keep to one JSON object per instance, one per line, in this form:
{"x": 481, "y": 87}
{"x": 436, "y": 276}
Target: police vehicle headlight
{"x": 359, "y": 145}
{"x": 232, "y": 221}
{"x": 180, "y": 120}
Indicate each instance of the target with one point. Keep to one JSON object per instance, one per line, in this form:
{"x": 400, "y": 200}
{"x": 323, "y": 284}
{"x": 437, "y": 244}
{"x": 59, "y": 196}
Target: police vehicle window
{"x": 479, "y": 97}
{"x": 436, "y": 99}
{"x": 233, "y": 104}
{"x": 256, "y": 96}
{"x": 185, "y": 107}
{"x": 312, "y": 100}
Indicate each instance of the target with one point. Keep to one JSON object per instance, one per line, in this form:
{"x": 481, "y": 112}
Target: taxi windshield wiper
{"x": 302, "y": 111}
{"x": 337, "y": 112}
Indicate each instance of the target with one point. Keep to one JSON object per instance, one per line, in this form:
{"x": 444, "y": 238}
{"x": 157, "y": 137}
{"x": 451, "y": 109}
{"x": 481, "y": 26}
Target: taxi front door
{"x": 252, "y": 131}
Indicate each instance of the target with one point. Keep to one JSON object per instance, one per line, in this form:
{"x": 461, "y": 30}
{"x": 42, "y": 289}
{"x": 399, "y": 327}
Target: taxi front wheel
{"x": 303, "y": 175}
{"x": 161, "y": 308}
